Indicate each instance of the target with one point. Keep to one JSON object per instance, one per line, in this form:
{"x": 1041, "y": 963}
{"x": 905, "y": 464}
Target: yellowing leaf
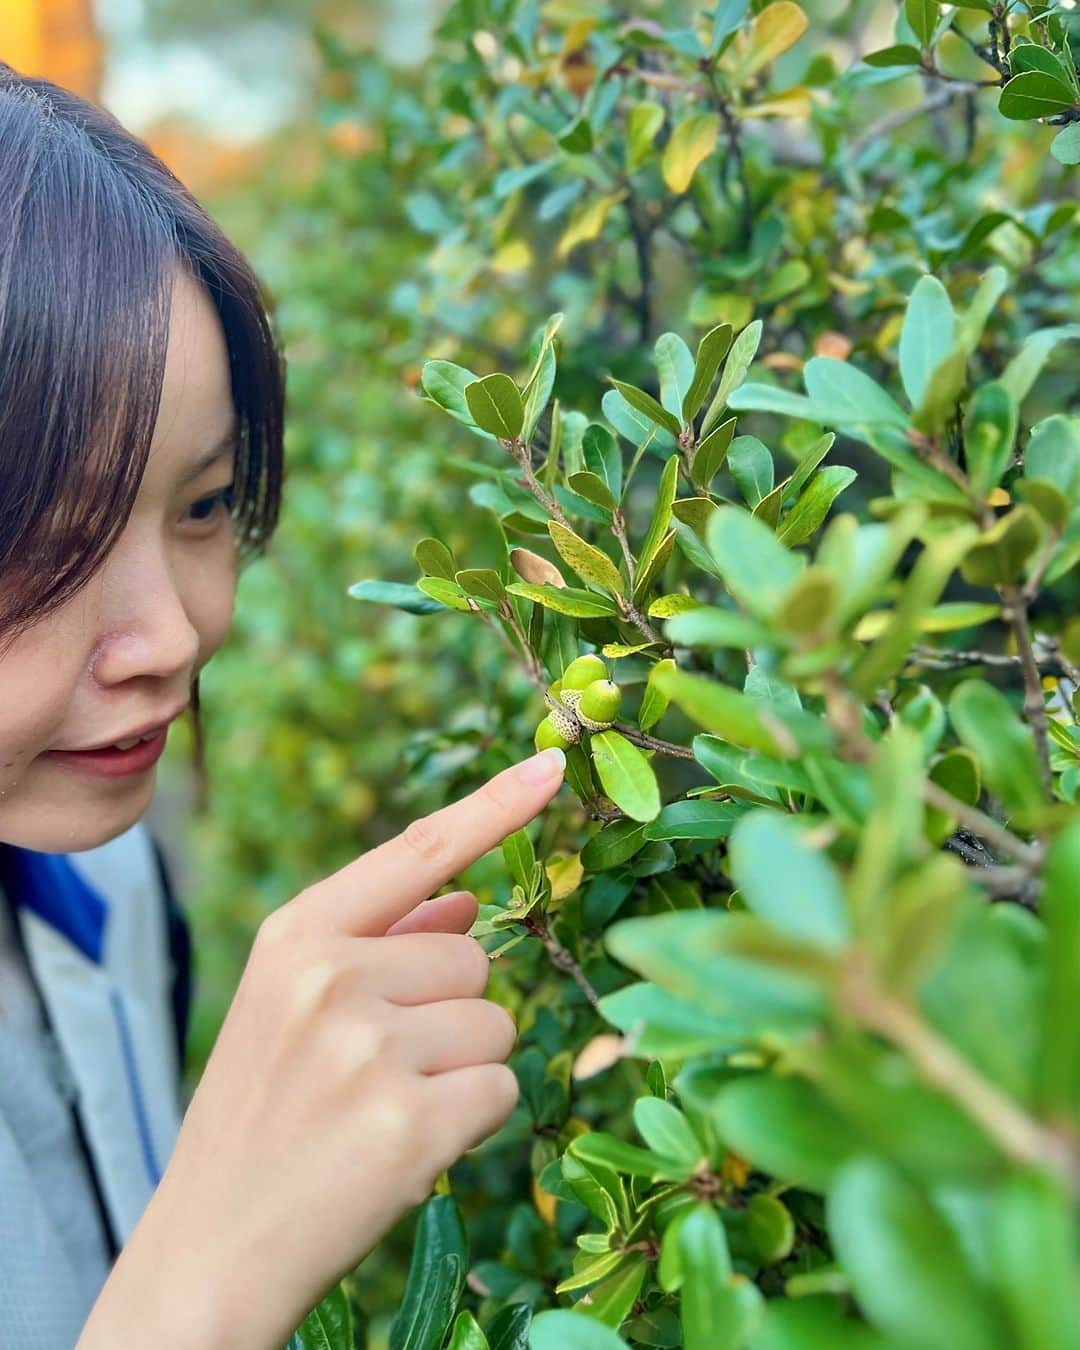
{"x": 514, "y": 256}
{"x": 777, "y": 28}
{"x": 587, "y": 222}
{"x": 565, "y": 875}
{"x": 794, "y": 102}
{"x": 692, "y": 141}
{"x": 545, "y": 1203}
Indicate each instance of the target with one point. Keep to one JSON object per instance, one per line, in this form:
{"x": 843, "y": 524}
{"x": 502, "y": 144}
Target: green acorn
{"x": 582, "y": 671}
{"x": 559, "y": 728}
{"x": 548, "y": 736}
{"x": 578, "y": 675}
{"x": 598, "y": 706}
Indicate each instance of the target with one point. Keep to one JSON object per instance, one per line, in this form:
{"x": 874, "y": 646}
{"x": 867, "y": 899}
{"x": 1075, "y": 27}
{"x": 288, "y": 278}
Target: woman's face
{"x": 118, "y": 659}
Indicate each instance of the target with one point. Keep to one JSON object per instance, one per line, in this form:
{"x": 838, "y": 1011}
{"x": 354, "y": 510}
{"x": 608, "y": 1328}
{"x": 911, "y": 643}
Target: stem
{"x": 1016, "y": 615}
{"x": 523, "y": 458}
{"x": 561, "y": 958}
{"x": 525, "y": 656}
{"x": 647, "y": 742}
{"x": 532, "y": 663}
{"x": 1025, "y": 1140}
{"x": 894, "y": 121}
{"x": 986, "y": 827}
{"x": 734, "y": 135}
{"x": 618, "y": 529}
{"x": 632, "y": 614}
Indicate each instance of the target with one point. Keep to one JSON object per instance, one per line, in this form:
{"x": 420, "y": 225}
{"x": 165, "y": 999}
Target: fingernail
{"x": 542, "y": 767}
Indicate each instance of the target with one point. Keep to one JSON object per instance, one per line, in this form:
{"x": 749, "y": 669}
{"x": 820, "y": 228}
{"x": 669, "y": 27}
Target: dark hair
{"x": 92, "y": 228}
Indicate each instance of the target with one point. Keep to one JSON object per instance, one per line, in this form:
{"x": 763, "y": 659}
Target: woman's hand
{"x": 358, "y": 1060}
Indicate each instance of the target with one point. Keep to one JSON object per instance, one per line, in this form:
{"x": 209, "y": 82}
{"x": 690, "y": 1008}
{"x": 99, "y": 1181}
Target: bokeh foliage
{"x": 820, "y": 878}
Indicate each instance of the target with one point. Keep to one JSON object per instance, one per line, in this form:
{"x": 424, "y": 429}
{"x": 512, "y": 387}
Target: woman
{"x": 140, "y": 457}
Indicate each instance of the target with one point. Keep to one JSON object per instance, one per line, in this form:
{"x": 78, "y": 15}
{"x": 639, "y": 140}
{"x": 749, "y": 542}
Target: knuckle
{"x": 427, "y": 840}
{"x": 495, "y": 794}
{"x": 277, "y": 929}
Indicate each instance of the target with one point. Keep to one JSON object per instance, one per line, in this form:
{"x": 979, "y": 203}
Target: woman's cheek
{"x": 213, "y": 607}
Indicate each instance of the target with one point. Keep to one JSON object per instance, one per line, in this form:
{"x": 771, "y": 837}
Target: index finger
{"x": 380, "y": 887}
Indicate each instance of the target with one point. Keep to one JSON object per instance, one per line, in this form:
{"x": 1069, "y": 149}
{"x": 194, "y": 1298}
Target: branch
{"x": 632, "y": 614}
{"x": 986, "y": 827}
{"x": 1016, "y": 615}
{"x": 561, "y": 958}
{"x": 523, "y": 459}
{"x": 1020, "y": 1136}
{"x": 894, "y": 121}
{"x": 618, "y": 529}
{"x": 647, "y": 742}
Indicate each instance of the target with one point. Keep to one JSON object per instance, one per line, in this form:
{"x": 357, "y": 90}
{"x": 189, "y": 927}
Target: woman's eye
{"x": 206, "y": 508}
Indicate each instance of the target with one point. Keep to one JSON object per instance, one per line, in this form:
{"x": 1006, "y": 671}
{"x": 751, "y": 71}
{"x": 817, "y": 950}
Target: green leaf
{"x": 661, "y": 517}
{"x": 435, "y": 1280}
{"x": 739, "y": 359}
{"x": 999, "y": 555}
{"x": 788, "y": 883}
{"x": 602, "y": 457}
{"x": 1003, "y": 745}
{"x": 757, "y": 569}
{"x": 1033, "y": 56}
{"x": 1065, "y": 147}
{"x": 626, "y": 775}
{"x": 408, "y": 598}
{"x": 694, "y": 820}
{"x": 542, "y": 380}
{"x": 922, "y": 15}
{"x": 445, "y": 384}
{"x": 853, "y": 395}
{"x": 496, "y": 406}
{"x": 483, "y": 583}
{"x": 1053, "y": 455}
{"x": 1024, "y": 369}
{"x": 588, "y": 562}
{"x": 653, "y": 703}
{"x": 717, "y": 1311}
{"x": 809, "y": 512}
{"x": 642, "y": 126}
{"x": 1035, "y": 1261}
{"x": 520, "y": 859}
{"x": 1034, "y": 94}
{"x": 615, "y": 844}
{"x": 612, "y": 1301}
{"x": 466, "y": 1334}
{"x": 329, "y": 1326}
{"x": 990, "y": 435}
{"x": 751, "y": 465}
{"x": 435, "y": 559}
{"x": 646, "y": 404}
{"x": 559, "y": 1329}
{"x": 927, "y": 336}
{"x": 566, "y": 600}
{"x": 593, "y": 489}
{"x": 727, "y": 16}
{"x": 447, "y": 593}
{"x": 712, "y": 349}
{"x": 907, "y": 1268}
{"x": 1058, "y": 1064}
{"x": 675, "y": 366}
{"x": 711, "y": 452}
{"x": 736, "y": 717}
{"x": 667, "y": 1131}
{"x": 900, "y": 54}
{"x": 576, "y": 137}
{"x": 783, "y": 1127}
{"x": 628, "y": 1159}
{"x": 692, "y": 141}
{"x": 770, "y": 1228}
{"x": 509, "y": 1328}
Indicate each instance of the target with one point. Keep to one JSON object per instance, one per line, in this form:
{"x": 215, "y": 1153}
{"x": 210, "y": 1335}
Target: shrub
{"x": 796, "y": 959}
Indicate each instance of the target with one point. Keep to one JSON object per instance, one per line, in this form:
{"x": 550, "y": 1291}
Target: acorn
{"x": 598, "y": 706}
{"x": 559, "y": 728}
{"x": 578, "y": 675}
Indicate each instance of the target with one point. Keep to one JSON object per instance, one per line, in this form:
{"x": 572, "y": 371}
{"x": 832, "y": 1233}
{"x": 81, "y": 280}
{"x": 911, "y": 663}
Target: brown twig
{"x": 561, "y": 957}
{"x": 986, "y": 827}
{"x": 618, "y": 529}
{"x": 523, "y": 459}
{"x": 647, "y": 742}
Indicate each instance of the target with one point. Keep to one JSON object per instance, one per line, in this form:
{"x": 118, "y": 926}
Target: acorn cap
{"x": 600, "y": 702}
{"x": 580, "y": 673}
{"x": 566, "y": 724}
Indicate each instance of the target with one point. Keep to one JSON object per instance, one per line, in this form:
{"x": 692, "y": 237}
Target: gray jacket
{"x": 90, "y": 1099}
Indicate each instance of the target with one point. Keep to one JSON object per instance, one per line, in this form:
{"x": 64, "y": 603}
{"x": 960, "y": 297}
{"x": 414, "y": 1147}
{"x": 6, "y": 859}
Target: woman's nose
{"x": 151, "y": 633}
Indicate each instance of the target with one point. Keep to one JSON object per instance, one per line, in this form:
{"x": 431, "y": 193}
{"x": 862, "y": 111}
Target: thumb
{"x": 451, "y": 913}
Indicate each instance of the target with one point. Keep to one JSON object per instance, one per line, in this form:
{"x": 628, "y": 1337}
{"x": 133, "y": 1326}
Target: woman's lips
{"x": 112, "y": 763}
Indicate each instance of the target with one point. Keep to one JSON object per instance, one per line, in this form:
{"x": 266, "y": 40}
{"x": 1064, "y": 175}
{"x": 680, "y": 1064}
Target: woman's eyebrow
{"x": 225, "y": 446}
